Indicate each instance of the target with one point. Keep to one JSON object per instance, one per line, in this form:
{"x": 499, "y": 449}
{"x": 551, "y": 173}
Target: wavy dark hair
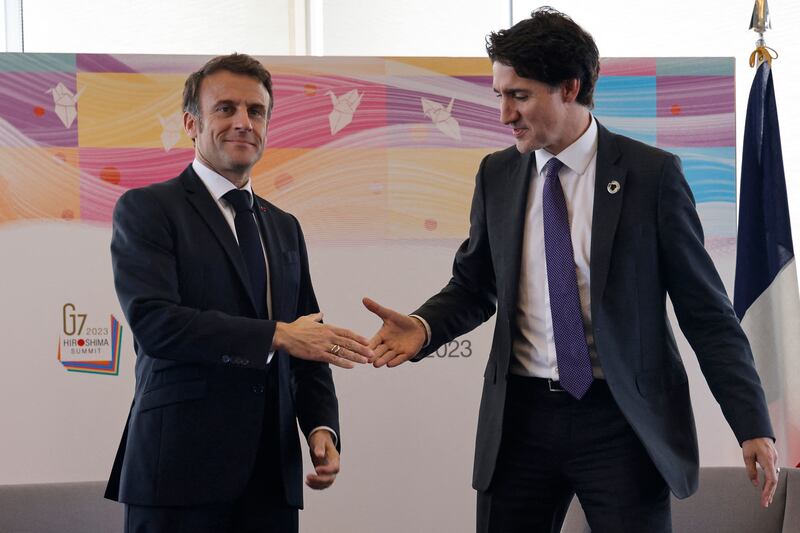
{"x": 236, "y": 63}
{"x": 551, "y": 48}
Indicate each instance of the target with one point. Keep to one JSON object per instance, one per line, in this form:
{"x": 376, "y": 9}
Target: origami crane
{"x": 344, "y": 107}
{"x": 172, "y": 128}
{"x": 442, "y": 118}
{"x": 64, "y": 103}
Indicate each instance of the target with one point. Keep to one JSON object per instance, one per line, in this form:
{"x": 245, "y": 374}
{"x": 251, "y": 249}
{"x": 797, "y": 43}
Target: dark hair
{"x": 236, "y": 63}
{"x": 549, "y": 47}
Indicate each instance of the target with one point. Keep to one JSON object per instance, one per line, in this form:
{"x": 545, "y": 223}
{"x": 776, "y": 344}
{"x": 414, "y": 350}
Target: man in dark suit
{"x": 577, "y": 236}
{"x": 231, "y": 351}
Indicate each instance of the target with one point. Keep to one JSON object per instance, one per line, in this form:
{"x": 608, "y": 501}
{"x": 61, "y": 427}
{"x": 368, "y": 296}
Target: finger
{"x": 317, "y": 482}
{"x": 385, "y": 358}
{"x": 770, "y": 480}
{"x": 336, "y": 361}
{"x": 380, "y": 350}
{"x": 399, "y": 360}
{"x": 373, "y": 306}
{"x": 350, "y": 355}
{"x": 353, "y": 347}
{"x": 752, "y": 471}
{"x": 319, "y": 454}
{"x": 328, "y": 469}
{"x": 352, "y": 335}
{"x": 375, "y": 341}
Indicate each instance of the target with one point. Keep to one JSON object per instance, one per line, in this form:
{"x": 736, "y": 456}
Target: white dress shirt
{"x": 534, "y": 348}
{"x": 218, "y": 186}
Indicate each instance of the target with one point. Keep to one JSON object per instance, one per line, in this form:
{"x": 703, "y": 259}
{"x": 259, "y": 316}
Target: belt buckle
{"x": 554, "y": 386}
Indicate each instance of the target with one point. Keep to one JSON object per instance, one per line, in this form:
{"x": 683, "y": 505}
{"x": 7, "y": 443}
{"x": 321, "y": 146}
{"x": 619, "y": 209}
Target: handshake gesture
{"x": 399, "y": 339}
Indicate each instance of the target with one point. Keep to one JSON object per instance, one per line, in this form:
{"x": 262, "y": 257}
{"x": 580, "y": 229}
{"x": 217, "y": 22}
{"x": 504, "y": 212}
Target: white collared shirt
{"x": 534, "y": 347}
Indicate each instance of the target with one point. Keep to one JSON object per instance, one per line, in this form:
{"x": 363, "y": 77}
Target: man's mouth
{"x": 518, "y": 132}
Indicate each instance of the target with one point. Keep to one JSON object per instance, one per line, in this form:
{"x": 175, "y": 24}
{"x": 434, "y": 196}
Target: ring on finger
{"x": 335, "y": 349}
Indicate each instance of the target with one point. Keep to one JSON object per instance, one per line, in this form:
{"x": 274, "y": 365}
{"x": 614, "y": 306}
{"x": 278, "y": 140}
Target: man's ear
{"x": 570, "y": 90}
{"x": 191, "y": 125}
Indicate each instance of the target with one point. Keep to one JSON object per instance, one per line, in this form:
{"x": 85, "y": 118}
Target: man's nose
{"x": 508, "y": 111}
{"x": 242, "y": 119}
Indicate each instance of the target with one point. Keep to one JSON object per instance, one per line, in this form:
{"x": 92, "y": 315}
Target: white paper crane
{"x": 344, "y": 107}
{"x": 64, "y": 103}
{"x": 442, "y": 118}
{"x": 172, "y": 128}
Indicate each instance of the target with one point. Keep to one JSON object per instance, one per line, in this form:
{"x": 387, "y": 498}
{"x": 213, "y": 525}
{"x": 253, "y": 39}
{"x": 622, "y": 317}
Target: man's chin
{"x": 524, "y": 147}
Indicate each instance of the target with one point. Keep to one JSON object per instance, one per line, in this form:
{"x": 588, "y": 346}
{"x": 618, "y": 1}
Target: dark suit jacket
{"x": 193, "y": 431}
{"x": 647, "y": 243}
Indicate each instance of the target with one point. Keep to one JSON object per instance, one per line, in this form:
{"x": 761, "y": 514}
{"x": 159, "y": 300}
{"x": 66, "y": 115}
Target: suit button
{"x": 258, "y": 389}
{"x": 246, "y": 362}
{"x": 226, "y": 359}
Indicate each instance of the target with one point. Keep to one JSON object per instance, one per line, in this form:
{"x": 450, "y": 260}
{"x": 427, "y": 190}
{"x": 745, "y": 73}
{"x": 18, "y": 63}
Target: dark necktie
{"x": 572, "y": 352}
{"x": 250, "y": 246}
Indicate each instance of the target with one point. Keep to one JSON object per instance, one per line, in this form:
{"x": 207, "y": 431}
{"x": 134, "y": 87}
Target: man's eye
{"x": 257, "y": 112}
{"x": 224, "y": 108}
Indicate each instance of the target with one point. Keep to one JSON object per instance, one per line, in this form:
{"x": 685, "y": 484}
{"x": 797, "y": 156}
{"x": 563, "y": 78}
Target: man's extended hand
{"x": 400, "y": 338}
{"x": 325, "y": 458}
{"x": 762, "y": 451}
{"x": 307, "y": 338}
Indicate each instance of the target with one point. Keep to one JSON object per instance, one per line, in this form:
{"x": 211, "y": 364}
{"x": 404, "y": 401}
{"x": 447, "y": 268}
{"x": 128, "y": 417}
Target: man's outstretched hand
{"x": 308, "y": 338}
{"x": 400, "y": 338}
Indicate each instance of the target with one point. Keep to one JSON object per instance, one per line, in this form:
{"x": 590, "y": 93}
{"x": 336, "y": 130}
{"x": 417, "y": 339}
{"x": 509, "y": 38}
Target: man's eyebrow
{"x": 511, "y": 90}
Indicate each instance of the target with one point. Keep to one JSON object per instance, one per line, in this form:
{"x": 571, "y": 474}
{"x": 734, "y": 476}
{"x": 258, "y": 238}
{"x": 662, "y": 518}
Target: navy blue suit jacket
{"x": 647, "y": 243}
{"x": 193, "y": 431}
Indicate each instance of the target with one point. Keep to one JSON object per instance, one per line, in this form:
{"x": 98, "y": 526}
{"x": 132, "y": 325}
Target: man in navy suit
{"x": 230, "y": 349}
{"x": 577, "y": 236}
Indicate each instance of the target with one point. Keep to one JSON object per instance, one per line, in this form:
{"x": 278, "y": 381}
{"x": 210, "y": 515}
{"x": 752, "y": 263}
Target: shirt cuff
{"x": 335, "y": 436}
{"x": 427, "y": 329}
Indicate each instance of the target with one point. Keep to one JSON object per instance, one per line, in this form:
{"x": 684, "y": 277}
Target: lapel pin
{"x": 613, "y": 187}
{"x": 263, "y": 208}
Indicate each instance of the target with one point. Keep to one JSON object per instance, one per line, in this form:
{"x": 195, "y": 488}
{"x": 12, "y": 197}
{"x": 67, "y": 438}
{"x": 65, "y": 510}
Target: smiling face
{"x": 540, "y": 116}
{"x": 231, "y": 131}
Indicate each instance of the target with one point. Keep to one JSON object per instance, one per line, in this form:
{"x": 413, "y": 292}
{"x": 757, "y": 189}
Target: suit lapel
{"x": 272, "y": 240}
{"x": 208, "y": 209}
{"x": 606, "y": 211}
{"x": 514, "y": 210}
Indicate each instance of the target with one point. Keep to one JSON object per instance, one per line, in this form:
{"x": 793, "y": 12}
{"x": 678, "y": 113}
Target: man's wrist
{"x": 426, "y": 329}
{"x": 330, "y": 431}
{"x": 278, "y": 336}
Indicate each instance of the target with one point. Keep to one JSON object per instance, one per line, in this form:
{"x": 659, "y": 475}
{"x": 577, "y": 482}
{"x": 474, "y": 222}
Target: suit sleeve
{"x": 144, "y": 261}
{"x": 704, "y": 311}
{"x": 470, "y": 297}
{"x": 312, "y": 382}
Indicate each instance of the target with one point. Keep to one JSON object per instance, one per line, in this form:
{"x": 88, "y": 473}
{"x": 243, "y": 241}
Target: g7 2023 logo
{"x": 88, "y": 348}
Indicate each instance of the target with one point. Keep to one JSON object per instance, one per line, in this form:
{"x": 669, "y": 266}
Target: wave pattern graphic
{"x": 389, "y": 174}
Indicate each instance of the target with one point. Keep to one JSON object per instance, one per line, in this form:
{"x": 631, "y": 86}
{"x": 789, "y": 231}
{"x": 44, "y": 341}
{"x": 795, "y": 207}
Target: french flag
{"x": 766, "y": 292}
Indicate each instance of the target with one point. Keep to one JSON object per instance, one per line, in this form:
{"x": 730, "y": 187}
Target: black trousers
{"x": 261, "y": 508}
{"x": 555, "y": 447}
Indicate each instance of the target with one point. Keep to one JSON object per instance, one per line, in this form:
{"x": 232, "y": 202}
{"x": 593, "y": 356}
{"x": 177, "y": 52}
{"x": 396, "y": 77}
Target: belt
{"x": 541, "y": 384}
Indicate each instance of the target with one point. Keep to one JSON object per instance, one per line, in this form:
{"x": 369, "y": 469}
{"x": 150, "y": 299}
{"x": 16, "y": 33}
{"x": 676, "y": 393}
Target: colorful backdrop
{"x": 376, "y": 157}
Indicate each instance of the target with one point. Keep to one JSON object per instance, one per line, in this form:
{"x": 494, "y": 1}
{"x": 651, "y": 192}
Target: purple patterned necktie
{"x": 572, "y": 352}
